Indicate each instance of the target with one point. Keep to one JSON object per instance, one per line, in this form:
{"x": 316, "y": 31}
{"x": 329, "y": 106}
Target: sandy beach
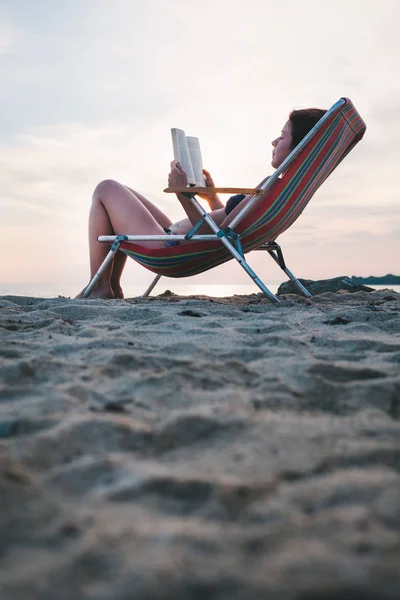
{"x": 176, "y": 448}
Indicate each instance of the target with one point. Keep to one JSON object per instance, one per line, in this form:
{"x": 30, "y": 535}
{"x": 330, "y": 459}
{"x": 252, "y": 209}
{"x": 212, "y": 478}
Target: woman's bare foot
{"x": 100, "y": 291}
{"x": 118, "y": 293}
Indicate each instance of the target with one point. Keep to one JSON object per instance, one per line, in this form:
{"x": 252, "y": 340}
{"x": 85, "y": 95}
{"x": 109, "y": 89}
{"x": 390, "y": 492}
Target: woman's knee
{"x": 105, "y": 189}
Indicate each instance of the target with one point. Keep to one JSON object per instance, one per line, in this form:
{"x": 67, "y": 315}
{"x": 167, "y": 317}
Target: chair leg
{"x": 229, "y": 245}
{"x": 102, "y": 267}
{"x": 275, "y": 251}
{"x": 151, "y": 286}
{"x": 242, "y": 262}
{"x": 258, "y": 281}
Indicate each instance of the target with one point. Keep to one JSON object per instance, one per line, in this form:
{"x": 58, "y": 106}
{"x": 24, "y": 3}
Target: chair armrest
{"x": 214, "y": 190}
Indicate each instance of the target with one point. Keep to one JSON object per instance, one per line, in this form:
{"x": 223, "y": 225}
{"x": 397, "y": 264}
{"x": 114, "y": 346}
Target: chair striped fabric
{"x": 273, "y": 212}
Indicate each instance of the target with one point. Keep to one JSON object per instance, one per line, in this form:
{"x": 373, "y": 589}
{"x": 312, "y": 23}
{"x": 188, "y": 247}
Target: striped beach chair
{"x": 271, "y": 211}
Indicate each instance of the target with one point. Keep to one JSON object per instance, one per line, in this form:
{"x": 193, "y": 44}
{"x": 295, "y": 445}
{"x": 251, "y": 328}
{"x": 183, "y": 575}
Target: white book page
{"x": 196, "y": 159}
{"x": 181, "y": 153}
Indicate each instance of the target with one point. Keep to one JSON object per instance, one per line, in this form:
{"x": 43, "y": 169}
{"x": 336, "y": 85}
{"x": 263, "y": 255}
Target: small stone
{"x": 8, "y": 428}
{"x": 115, "y": 406}
{"x": 190, "y": 313}
{"x": 69, "y": 529}
{"x": 338, "y": 321}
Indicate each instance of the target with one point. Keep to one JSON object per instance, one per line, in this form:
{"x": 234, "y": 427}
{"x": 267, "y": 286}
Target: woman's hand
{"x": 209, "y": 183}
{"x": 177, "y": 177}
{"x": 212, "y": 199}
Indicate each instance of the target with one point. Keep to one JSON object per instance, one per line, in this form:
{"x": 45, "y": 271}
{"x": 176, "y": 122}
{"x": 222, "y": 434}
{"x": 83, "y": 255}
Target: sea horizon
{"x": 133, "y": 291}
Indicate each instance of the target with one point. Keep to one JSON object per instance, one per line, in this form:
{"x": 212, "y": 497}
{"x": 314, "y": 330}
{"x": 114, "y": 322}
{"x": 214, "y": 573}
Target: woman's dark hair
{"x": 302, "y": 121}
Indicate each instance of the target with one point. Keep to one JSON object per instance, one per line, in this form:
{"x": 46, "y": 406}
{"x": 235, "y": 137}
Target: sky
{"x": 91, "y": 88}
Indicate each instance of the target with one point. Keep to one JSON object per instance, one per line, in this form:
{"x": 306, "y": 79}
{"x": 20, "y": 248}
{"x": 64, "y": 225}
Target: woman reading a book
{"x": 118, "y": 209}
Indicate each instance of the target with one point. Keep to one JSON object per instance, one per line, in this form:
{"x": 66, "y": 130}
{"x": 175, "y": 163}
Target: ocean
{"x": 132, "y": 291}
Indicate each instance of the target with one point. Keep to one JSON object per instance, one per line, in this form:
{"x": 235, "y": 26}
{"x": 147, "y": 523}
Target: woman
{"x": 117, "y": 209}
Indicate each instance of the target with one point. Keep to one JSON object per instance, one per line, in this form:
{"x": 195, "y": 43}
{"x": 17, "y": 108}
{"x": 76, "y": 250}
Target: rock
{"x": 324, "y": 285}
{"x": 191, "y": 313}
{"x": 8, "y": 428}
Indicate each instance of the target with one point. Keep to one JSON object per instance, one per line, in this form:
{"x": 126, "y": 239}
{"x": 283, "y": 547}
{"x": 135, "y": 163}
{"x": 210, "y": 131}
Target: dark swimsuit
{"x": 233, "y": 202}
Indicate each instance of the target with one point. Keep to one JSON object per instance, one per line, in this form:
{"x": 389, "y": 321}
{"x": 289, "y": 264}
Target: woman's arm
{"x": 178, "y": 178}
{"x": 213, "y": 200}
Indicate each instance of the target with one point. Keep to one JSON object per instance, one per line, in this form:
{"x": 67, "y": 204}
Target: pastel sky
{"x": 90, "y": 89}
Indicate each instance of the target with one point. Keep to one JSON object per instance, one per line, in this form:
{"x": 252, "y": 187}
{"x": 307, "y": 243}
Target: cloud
{"x": 60, "y": 162}
{"x": 9, "y": 34}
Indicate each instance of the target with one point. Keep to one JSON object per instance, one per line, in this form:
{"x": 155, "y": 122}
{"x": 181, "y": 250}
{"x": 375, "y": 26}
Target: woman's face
{"x": 282, "y": 146}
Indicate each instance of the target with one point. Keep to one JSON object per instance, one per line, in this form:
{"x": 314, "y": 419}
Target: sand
{"x": 200, "y": 448}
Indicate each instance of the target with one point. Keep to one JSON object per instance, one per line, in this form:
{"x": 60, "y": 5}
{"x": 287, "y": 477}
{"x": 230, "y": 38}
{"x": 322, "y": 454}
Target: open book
{"x": 187, "y": 152}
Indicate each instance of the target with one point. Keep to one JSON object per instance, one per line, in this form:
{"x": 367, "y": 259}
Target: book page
{"x": 196, "y": 159}
{"x": 181, "y": 153}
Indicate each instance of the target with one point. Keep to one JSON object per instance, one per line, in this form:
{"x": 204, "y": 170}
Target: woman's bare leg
{"x": 116, "y": 272}
{"x": 158, "y": 214}
{"x": 118, "y": 210}
{"x": 120, "y": 257}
